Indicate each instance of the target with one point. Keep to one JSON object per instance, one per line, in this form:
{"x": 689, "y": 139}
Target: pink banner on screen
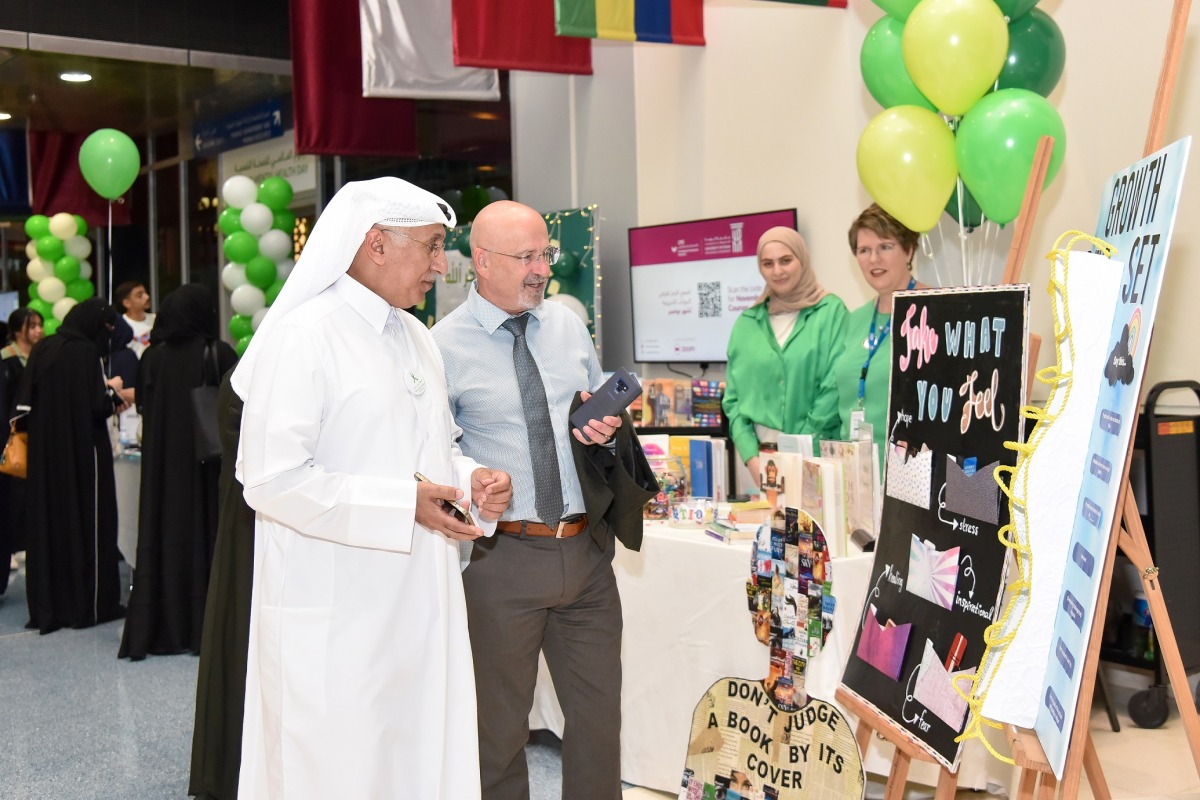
{"x": 701, "y": 240}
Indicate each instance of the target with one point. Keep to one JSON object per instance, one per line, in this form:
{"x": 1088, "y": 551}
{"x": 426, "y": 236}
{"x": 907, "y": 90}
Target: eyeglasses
{"x": 884, "y": 249}
{"x": 549, "y": 256}
{"x": 434, "y": 247}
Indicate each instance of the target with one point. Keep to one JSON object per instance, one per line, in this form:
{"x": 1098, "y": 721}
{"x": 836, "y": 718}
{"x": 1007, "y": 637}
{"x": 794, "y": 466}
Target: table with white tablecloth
{"x": 687, "y": 626}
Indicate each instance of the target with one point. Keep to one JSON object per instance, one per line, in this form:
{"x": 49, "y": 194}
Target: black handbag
{"x": 204, "y": 408}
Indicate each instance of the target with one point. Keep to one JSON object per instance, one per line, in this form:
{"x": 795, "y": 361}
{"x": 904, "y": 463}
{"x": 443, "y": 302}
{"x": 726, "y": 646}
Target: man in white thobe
{"x": 359, "y": 681}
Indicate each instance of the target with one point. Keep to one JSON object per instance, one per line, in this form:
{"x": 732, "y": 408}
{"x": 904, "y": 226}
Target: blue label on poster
{"x": 1064, "y": 657}
{"x": 1091, "y": 512}
{"x": 1083, "y": 558}
{"x": 1055, "y": 707}
{"x": 1101, "y": 467}
{"x": 1110, "y": 422}
{"x": 1073, "y": 609}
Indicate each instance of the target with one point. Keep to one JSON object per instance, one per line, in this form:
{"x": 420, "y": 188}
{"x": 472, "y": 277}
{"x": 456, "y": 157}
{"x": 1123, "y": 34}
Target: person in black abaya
{"x": 71, "y": 503}
{"x": 221, "y": 683}
{"x": 177, "y": 517}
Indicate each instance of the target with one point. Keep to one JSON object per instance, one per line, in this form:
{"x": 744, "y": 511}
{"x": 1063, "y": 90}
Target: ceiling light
{"x": 75, "y": 77}
{"x": 4, "y": 116}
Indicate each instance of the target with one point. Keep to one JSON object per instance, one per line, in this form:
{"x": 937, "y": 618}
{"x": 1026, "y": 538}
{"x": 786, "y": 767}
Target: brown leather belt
{"x": 564, "y": 530}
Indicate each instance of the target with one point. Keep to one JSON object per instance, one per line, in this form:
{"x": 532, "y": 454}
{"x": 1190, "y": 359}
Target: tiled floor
{"x": 79, "y": 723}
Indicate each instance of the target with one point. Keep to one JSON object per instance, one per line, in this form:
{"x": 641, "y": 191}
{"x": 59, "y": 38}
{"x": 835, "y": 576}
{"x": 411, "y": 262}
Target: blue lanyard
{"x": 874, "y": 343}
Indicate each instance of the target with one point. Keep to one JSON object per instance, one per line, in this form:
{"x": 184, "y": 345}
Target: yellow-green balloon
{"x": 882, "y": 63}
{"x": 242, "y": 344}
{"x": 954, "y": 49}
{"x": 906, "y": 162}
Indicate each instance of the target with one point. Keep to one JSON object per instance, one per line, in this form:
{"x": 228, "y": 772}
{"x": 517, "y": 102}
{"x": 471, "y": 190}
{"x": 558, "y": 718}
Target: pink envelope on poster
{"x": 932, "y": 573}
{"x": 935, "y": 689}
{"x": 883, "y": 646}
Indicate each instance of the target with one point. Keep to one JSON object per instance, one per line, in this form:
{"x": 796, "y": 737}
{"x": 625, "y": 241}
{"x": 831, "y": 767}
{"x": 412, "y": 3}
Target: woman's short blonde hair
{"x": 884, "y": 225}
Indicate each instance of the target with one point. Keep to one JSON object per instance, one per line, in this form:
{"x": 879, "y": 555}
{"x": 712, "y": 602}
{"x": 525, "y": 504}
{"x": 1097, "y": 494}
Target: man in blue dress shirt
{"x": 537, "y": 584}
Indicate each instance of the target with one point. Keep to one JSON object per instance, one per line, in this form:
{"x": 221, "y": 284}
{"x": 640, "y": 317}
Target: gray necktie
{"x": 547, "y": 485}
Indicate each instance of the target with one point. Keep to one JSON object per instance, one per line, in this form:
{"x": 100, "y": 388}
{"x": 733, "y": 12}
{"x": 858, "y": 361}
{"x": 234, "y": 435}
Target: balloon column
{"x": 258, "y": 245}
{"x": 59, "y": 273}
{"x": 986, "y": 66}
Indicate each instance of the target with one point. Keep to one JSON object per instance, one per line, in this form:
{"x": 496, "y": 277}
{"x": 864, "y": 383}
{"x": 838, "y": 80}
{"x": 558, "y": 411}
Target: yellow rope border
{"x": 1000, "y": 634}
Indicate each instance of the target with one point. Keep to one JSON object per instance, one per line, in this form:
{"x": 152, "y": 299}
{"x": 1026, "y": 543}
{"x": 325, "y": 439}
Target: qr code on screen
{"x": 710, "y": 298}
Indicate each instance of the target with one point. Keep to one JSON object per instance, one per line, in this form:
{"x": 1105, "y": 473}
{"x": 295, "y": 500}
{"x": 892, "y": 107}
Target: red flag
{"x": 332, "y": 117}
{"x": 58, "y": 183}
{"x": 515, "y": 34}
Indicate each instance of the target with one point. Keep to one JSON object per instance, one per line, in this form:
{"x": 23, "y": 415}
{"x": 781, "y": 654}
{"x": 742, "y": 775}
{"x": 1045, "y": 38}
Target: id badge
{"x": 858, "y": 418}
{"x": 866, "y": 432}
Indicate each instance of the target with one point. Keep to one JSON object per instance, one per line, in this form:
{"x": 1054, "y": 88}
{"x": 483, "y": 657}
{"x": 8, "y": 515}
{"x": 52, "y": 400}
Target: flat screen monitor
{"x": 9, "y": 301}
{"x": 691, "y": 280}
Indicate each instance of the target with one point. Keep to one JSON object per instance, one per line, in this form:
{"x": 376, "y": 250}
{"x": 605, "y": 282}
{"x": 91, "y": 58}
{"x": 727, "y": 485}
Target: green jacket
{"x": 790, "y": 389}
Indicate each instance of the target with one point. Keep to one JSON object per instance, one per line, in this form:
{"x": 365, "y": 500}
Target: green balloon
{"x": 260, "y": 271}
{"x": 66, "y": 269}
{"x": 240, "y": 247}
{"x": 242, "y": 344}
{"x": 109, "y": 161}
{"x": 1036, "y": 54}
{"x": 80, "y": 225}
{"x": 273, "y": 291}
{"x": 33, "y": 293}
{"x": 42, "y": 307}
{"x": 474, "y": 198}
{"x": 898, "y": 9}
{"x": 240, "y": 326}
{"x": 284, "y": 221}
{"x": 275, "y": 193}
{"x": 230, "y": 220}
{"x": 567, "y": 265}
{"x": 81, "y": 289}
{"x": 972, "y": 215}
{"x": 37, "y": 226}
{"x": 995, "y": 145}
{"x": 1015, "y": 8}
{"x": 883, "y": 70}
{"x": 50, "y": 325}
{"x": 50, "y": 248}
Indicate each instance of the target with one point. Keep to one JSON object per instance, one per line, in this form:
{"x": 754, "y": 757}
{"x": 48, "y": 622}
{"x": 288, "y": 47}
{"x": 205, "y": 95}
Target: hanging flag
{"x": 407, "y": 52}
{"x": 667, "y": 21}
{"x": 515, "y": 34}
{"x": 825, "y": 3}
{"x": 332, "y": 117}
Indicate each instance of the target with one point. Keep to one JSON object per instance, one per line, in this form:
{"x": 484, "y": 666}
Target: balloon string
{"x": 962, "y": 232}
{"x": 109, "y": 287}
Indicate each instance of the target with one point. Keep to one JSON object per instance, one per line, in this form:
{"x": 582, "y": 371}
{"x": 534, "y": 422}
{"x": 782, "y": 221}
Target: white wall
{"x": 768, "y": 115}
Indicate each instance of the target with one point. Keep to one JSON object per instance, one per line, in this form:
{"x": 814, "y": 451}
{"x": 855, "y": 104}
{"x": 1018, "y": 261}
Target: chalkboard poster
{"x": 957, "y": 386}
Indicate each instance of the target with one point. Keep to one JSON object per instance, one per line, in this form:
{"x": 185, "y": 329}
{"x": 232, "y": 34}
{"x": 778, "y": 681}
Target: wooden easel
{"x": 1127, "y": 535}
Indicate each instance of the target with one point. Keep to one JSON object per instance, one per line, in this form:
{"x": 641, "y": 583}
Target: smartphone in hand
{"x": 455, "y": 508}
{"x": 609, "y": 400}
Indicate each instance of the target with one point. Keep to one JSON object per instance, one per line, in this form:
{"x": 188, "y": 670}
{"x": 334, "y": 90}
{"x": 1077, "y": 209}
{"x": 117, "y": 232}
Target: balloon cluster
{"x": 986, "y": 66}
{"x": 258, "y": 244}
{"x": 59, "y": 273}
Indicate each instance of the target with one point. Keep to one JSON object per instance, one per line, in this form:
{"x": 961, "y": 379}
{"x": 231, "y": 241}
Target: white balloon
{"x": 85, "y": 270}
{"x": 284, "y": 268}
{"x": 63, "y": 225}
{"x": 573, "y": 303}
{"x": 62, "y": 306}
{"x": 257, "y": 319}
{"x": 257, "y": 219}
{"x": 233, "y": 275}
{"x": 78, "y": 246}
{"x": 239, "y": 191}
{"x": 51, "y": 289}
{"x": 246, "y": 299}
{"x": 274, "y": 244}
{"x": 31, "y": 249}
{"x": 38, "y": 270}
